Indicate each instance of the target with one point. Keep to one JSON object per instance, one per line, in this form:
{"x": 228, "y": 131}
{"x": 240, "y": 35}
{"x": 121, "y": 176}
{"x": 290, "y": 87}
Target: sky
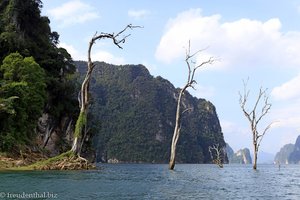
{"x": 254, "y": 40}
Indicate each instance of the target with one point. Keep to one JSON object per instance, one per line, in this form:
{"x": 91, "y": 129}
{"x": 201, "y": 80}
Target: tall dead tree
{"x": 255, "y": 115}
{"x": 117, "y": 40}
{"x": 192, "y": 68}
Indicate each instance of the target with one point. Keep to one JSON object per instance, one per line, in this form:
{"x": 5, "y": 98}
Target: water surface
{"x": 151, "y": 181}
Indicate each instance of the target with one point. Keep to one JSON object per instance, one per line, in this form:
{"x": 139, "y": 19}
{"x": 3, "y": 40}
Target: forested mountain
{"x": 133, "y": 115}
{"x": 33, "y": 76}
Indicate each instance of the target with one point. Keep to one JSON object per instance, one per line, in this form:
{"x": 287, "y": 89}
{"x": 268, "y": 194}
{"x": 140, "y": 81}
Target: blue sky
{"x": 259, "y": 39}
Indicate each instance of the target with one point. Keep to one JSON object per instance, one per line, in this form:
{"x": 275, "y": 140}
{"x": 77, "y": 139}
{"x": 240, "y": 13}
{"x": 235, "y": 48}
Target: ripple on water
{"x": 127, "y": 181}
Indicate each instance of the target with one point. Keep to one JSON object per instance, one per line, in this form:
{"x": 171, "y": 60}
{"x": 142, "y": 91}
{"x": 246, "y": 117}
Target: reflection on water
{"x": 150, "y": 181}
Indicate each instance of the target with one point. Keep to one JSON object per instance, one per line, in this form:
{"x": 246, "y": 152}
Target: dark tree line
{"x": 25, "y": 31}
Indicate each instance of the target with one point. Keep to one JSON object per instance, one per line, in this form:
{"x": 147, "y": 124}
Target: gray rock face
{"x": 282, "y": 157}
{"x": 55, "y": 137}
{"x": 229, "y": 151}
{"x": 294, "y": 157}
{"x": 242, "y": 156}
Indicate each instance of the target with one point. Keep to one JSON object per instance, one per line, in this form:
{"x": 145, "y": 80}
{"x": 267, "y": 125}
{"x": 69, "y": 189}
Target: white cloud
{"x": 138, "y": 14}
{"x": 290, "y": 121}
{"x": 151, "y": 67}
{"x": 235, "y": 135}
{"x": 108, "y": 58}
{"x": 73, "y": 12}
{"x": 76, "y": 55}
{"x": 287, "y": 116}
{"x": 289, "y": 95}
{"x": 288, "y": 90}
{"x": 205, "y": 92}
{"x": 288, "y": 137}
{"x": 232, "y": 128}
{"x": 245, "y": 42}
{"x": 298, "y": 9}
{"x": 99, "y": 55}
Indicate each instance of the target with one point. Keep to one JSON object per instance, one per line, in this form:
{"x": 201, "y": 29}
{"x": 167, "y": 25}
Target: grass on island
{"x": 5, "y": 161}
{"x": 39, "y": 165}
{"x": 64, "y": 161}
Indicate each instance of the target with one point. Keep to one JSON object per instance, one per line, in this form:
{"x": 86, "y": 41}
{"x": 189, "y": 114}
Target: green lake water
{"x": 154, "y": 181}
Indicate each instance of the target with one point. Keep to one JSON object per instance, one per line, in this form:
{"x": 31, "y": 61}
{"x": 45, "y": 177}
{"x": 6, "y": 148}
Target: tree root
{"x": 65, "y": 161}
{"x": 36, "y": 161}
{"x": 72, "y": 162}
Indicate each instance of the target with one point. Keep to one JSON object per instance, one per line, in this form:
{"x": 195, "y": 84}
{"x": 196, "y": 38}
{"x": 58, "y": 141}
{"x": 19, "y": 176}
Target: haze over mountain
{"x": 283, "y": 155}
{"x": 294, "y": 157}
{"x": 289, "y": 153}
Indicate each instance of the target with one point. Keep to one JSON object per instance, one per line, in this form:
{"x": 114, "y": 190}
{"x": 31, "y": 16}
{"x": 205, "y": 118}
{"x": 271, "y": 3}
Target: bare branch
{"x": 265, "y": 109}
{"x": 84, "y": 92}
{"x": 217, "y": 156}
{"x": 255, "y": 117}
{"x": 258, "y": 98}
{"x": 186, "y": 110}
{"x": 189, "y": 61}
{"x": 188, "y": 52}
{"x": 191, "y": 65}
{"x": 260, "y": 137}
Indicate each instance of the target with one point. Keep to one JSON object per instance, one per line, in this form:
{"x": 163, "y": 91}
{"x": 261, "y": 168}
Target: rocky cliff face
{"x": 55, "y": 136}
{"x": 133, "y": 115}
{"x": 294, "y": 157}
{"x": 229, "y": 152}
{"x": 242, "y": 156}
{"x": 282, "y": 157}
{"x": 289, "y": 153}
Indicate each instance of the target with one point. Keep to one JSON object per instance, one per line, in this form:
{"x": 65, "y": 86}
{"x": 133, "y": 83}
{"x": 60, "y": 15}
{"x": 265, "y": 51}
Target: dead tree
{"x": 216, "y": 154}
{"x": 81, "y": 123}
{"x": 255, "y": 115}
{"x": 192, "y": 68}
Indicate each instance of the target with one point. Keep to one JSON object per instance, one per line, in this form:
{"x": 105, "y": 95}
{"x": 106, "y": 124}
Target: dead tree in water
{"x": 117, "y": 40}
{"x": 216, "y": 154}
{"x": 192, "y": 68}
{"x": 260, "y": 109}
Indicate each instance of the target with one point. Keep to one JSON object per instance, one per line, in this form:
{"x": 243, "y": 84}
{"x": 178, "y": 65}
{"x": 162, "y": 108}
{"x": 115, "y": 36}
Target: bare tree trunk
{"x": 255, "y": 116}
{"x": 176, "y": 133}
{"x": 189, "y": 83}
{"x": 84, "y": 92}
{"x": 255, "y": 157}
{"x": 82, "y": 118}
